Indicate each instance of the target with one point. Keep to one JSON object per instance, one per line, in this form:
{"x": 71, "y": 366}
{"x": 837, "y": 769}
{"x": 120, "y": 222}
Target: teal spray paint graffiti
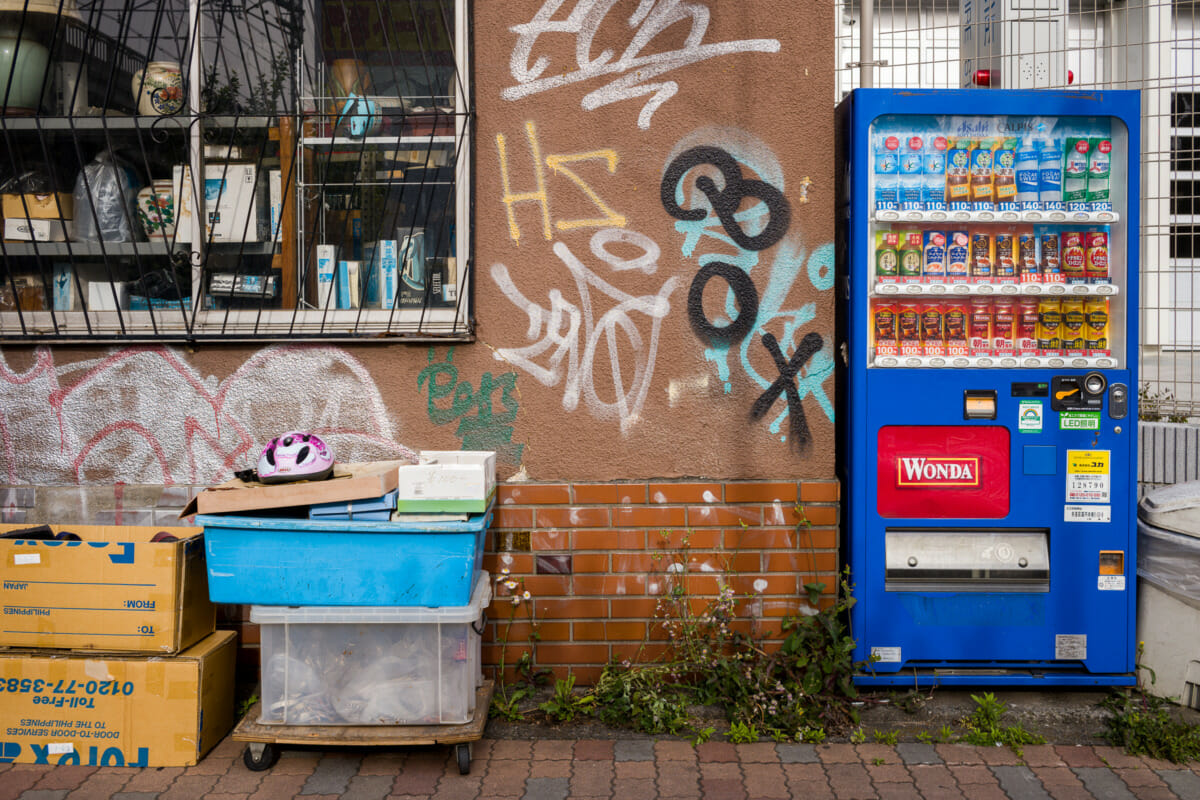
{"x": 484, "y": 419}
{"x": 735, "y": 238}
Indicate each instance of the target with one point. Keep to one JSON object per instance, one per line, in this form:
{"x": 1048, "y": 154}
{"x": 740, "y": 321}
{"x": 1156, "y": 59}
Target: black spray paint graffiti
{"x": 725, "y": 203}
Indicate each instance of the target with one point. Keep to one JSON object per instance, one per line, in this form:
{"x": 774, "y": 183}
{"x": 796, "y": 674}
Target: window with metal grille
{"x": 332, "y": 141}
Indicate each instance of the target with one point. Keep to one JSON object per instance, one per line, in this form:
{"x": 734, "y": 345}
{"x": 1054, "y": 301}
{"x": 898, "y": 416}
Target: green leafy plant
{"x": 811, "y": 735}
{"x": 508, "y": 697}
{"x": 885, "y": 737}
{"x": 877, "y": 761}
{"x": 1151, "y": 405}
{"x": 565, "y": 705}
{"x": 247, "y": 704}
{"x": 984, "y": 728}
{"x": 701, "y": 735}
{"x": 858, "y": 736}
{"x": 925, "y": 737}
{"x": 946, "y": 735}
{"x": 1142, "y": 724}
{"x": 741, "y": 733}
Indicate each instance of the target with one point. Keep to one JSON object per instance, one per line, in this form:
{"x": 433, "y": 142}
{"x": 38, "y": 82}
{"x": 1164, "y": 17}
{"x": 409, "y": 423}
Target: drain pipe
{"x": 866, "y": 44}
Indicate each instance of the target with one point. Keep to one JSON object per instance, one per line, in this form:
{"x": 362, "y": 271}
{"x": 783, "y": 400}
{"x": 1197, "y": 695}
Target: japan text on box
{"x": 117, "y": 710}
{"x": 113, "y": 590}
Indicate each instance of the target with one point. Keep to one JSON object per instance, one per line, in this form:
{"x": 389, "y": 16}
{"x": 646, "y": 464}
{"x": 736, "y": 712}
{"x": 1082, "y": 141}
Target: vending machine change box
{"x": 989, "y": 274}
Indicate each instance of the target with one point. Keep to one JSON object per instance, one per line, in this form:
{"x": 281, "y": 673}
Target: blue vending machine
{"x": 989, "y": 264}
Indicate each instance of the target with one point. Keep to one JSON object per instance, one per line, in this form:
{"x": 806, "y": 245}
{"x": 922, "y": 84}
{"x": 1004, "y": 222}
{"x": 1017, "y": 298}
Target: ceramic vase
{"x": 156, "y": 210}
{"x": 158, "y": 89}
{"x": 26, "y": 61}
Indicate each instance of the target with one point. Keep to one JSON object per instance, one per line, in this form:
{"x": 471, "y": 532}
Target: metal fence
{"x": 1118, "y": 44}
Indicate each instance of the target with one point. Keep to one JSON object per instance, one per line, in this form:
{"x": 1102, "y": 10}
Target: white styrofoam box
{"x": 344, "y": 665}
{"x": 448, "y": 481}
{"x": 233, "y": 199}
{"x": 19, "y": 229}
{"x": 100, "y": 296}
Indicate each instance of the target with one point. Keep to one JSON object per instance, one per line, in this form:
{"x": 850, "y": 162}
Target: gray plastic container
{"x": 1168, "y": 603}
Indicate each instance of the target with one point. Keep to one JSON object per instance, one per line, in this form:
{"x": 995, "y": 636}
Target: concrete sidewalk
{"x": 636, "y": 768}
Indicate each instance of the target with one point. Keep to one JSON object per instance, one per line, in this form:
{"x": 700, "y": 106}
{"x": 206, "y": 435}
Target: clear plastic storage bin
{"x": 344, "y": 665}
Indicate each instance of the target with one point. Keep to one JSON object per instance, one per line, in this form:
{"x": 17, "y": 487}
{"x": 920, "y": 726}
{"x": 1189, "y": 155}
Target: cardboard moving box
{"x": 349, "y": 482}
{"x": 56, "y": 205}
{"x": 114, "y": 591}
{"x": 447, "y": 481}
{"x": 117, "y": 710}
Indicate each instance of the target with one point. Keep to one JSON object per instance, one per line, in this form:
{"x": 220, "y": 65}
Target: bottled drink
{"x": 887, "y": 172}
{"x": 1050, "y": 174}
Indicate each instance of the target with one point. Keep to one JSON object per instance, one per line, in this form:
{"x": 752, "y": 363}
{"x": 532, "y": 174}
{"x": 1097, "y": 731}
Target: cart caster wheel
{"x": 259, "y": 757}
{"x": 463, "y": 753}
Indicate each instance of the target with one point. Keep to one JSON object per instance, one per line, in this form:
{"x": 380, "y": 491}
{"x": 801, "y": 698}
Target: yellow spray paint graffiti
{"x": 557, "y": 164}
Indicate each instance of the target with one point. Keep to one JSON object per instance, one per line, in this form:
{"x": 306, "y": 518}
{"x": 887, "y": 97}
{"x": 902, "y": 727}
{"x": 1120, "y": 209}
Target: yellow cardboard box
{"x": 56, "y": 205}
{"x": 116, "y": 710}
{"x": 115, "y": 590}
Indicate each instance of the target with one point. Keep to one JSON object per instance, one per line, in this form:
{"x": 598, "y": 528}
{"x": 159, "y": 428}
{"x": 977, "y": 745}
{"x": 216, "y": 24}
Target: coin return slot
{"x": 979, "y": 404}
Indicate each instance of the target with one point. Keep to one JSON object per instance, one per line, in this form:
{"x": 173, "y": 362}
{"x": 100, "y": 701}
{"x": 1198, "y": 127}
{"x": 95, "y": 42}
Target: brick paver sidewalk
{"x": 638, "y": 769}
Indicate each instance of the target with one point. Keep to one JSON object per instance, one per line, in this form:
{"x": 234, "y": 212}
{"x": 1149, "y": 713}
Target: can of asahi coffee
{"x": 958, "y": 256}
{"x": 908, "y": 327}
{"x": 933, "y": 330}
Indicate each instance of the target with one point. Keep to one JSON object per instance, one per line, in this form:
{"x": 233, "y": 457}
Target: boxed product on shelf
{"x": 108, "y": 295}
{"x": 371, "y": 666}
{"x": 55, "y": 205}
{"x": 235, "y": 203}
{"x": 20, "y": 229}
{"x": 327, "y": 258}
{"x": 126, "y": 591}
{"x": 118, "y": 710}
{"x": 22, "y": 292}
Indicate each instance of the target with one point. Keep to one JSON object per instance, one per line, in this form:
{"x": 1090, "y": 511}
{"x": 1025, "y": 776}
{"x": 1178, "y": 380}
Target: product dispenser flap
{"x": 968, "y": 560}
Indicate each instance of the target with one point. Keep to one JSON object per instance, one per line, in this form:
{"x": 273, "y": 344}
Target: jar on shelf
{"x": 156, "y": 210}
{"x": 158, "y": 88}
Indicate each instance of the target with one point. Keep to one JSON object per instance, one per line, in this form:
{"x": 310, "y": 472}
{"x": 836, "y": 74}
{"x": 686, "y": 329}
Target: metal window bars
{"x": 1152, "y": 45}
{"x": 134, "y": 99}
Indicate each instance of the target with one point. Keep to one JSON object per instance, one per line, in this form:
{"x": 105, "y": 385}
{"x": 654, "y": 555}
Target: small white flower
{"x": 526, "y": 594}
{"x": 516, "y": 601}
{"x": 510, "y": 584}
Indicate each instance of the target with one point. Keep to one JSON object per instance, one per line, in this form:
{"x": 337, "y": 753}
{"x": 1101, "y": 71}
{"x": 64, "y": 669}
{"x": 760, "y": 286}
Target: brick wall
{"x": 586, "y": 552}
{"x": 593, "y": 556}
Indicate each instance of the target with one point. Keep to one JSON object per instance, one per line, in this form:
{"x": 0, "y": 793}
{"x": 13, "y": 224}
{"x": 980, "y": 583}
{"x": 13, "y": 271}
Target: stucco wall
{"x": 600, "y": 354}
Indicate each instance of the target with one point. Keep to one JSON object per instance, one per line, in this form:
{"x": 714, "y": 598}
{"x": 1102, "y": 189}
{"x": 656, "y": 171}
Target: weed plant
{"x": 798, "y": 691}
{"x": 1142, "y": 724}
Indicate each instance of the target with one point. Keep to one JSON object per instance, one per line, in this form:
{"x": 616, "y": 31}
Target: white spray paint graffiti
{"x": 571, "y": 335}
{"x": 653, "y": 17}
{"x": 790, "y": 260}
{"x": 144, "y": 415}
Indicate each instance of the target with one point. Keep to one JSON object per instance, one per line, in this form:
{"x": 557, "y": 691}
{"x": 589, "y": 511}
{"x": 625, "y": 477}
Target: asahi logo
{"x": 935, "y": 471}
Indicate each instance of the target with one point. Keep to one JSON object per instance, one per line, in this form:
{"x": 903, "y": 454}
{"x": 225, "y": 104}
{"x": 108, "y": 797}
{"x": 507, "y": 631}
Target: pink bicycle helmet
{"x": 295, "y": 456}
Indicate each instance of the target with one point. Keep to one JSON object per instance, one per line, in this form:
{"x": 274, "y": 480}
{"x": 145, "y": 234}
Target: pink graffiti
{"x": 145, "y": 415}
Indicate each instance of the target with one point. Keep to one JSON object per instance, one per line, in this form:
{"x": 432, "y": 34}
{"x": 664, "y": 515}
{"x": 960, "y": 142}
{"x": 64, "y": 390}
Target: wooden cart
{"x": 264, "y": 741}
